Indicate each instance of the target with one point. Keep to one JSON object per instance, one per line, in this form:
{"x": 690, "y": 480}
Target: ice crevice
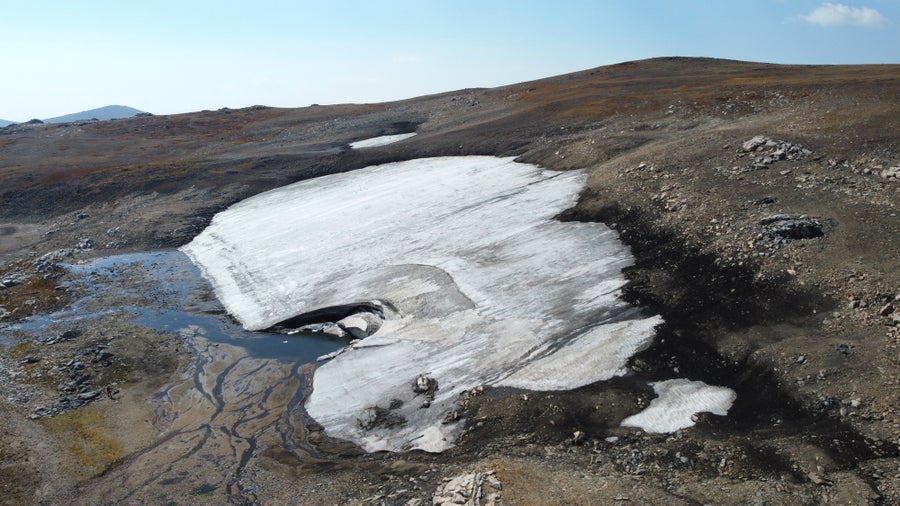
{"x": 482, "y": 287}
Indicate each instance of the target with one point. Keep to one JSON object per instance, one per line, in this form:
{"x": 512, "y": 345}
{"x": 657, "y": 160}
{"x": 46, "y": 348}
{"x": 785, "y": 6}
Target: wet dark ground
{"x": 170, "y": 295}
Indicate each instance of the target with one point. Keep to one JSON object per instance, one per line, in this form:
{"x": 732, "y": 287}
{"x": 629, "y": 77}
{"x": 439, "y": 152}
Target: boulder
{"x": 425, "y": 385}
{"x": 468, "y": 489}
{"x": 51, "y": 260}
{"x": 334, "y": 330}
{"x": 13, "y": 279}
{"x": 361, "y": 325}
{"x": 792, "y": 227}
{"x": 755, "y": 143}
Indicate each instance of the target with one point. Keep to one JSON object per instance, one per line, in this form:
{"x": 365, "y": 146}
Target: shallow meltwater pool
{"x": 164, "y": 291}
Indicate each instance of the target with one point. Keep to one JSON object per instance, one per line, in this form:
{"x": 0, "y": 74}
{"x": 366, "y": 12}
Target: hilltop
{"x": 760, "y": 202}
{"x": 101, "y": 113}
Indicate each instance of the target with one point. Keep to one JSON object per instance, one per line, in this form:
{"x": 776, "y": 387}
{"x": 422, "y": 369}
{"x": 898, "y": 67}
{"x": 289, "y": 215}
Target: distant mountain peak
{"x": 101, "y": 113}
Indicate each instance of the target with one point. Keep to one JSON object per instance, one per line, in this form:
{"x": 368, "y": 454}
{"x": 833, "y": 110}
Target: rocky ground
{"x": 761, "y": 205}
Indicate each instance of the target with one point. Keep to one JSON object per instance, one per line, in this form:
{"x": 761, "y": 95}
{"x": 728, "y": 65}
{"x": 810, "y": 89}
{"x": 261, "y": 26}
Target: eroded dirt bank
{"x": 728, "y": 250}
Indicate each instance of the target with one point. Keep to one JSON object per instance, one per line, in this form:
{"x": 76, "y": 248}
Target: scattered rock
{"x": 104, "y": 357}
{"x": 778, "y": 151}
{"x": 334, "y": 330}
{"x": 578, "y": 437}
{"x": 93, "y": 394}
{"x": 844, "y": 349}
{"x": 891, "y": 173}
{"x": 50, "y": 261}
{"x": 754, "y": 143}
{"x": 468, "y": 490}
{"x": 818, "y": 479}
{"x": 310, "y": 327}
{"x": 13, "y": 279}
{"x": 66, "y": 403}
{"x": 65, "y": 336}
{"x": 451, "y": 416}
{"x": 379, "y": 417}
{"x": 425, "y": 385}
{"x": 786, "y": 227}
{"x": 886, "y": 310}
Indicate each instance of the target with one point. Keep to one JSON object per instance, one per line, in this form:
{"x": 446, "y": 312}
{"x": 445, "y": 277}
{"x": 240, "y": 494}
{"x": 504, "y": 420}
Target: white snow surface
{"x": 678, "y": 400}
{"x": 488, "y": 288}
{"x": 384, "y": 140}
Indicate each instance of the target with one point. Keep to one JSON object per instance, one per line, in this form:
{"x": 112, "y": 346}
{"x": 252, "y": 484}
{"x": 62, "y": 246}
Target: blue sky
{"x": 179, "y": 56}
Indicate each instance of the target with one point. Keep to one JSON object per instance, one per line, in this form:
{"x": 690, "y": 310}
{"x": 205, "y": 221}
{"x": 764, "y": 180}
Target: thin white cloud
{"x": 829, "y": 14}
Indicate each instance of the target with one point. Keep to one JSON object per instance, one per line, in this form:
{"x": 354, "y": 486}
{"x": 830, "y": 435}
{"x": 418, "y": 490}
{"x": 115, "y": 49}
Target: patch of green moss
{"x": 20, "y": 350}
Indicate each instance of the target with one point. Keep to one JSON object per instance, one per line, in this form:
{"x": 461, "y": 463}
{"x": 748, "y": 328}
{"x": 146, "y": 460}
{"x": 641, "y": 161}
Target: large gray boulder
{"x": 361, "y": 325}
{"x": 754, "y": 143}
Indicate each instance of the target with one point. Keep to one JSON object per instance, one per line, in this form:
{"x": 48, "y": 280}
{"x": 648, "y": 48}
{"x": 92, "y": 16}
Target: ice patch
{"x": 489, "y": 289}
{"x": 678, "y": 400}
{"x": 384, "y": 140}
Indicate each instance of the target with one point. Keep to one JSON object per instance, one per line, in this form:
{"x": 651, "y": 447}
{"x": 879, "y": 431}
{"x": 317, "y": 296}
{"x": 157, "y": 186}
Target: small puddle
{"x": 165, "y": 291}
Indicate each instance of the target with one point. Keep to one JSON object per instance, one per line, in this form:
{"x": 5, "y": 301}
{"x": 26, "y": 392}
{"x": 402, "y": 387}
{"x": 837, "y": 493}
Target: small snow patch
{"x": 380, "y": 141}
{"x": 678, "y": 400}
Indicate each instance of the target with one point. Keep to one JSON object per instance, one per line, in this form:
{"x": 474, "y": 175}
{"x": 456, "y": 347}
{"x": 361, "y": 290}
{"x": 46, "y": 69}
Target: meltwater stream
{"x": 163, "y": 290}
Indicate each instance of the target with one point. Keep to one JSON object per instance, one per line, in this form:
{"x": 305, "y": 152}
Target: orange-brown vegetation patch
{"x": 639, "y": 87}
{"x": 91, "y": 448}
